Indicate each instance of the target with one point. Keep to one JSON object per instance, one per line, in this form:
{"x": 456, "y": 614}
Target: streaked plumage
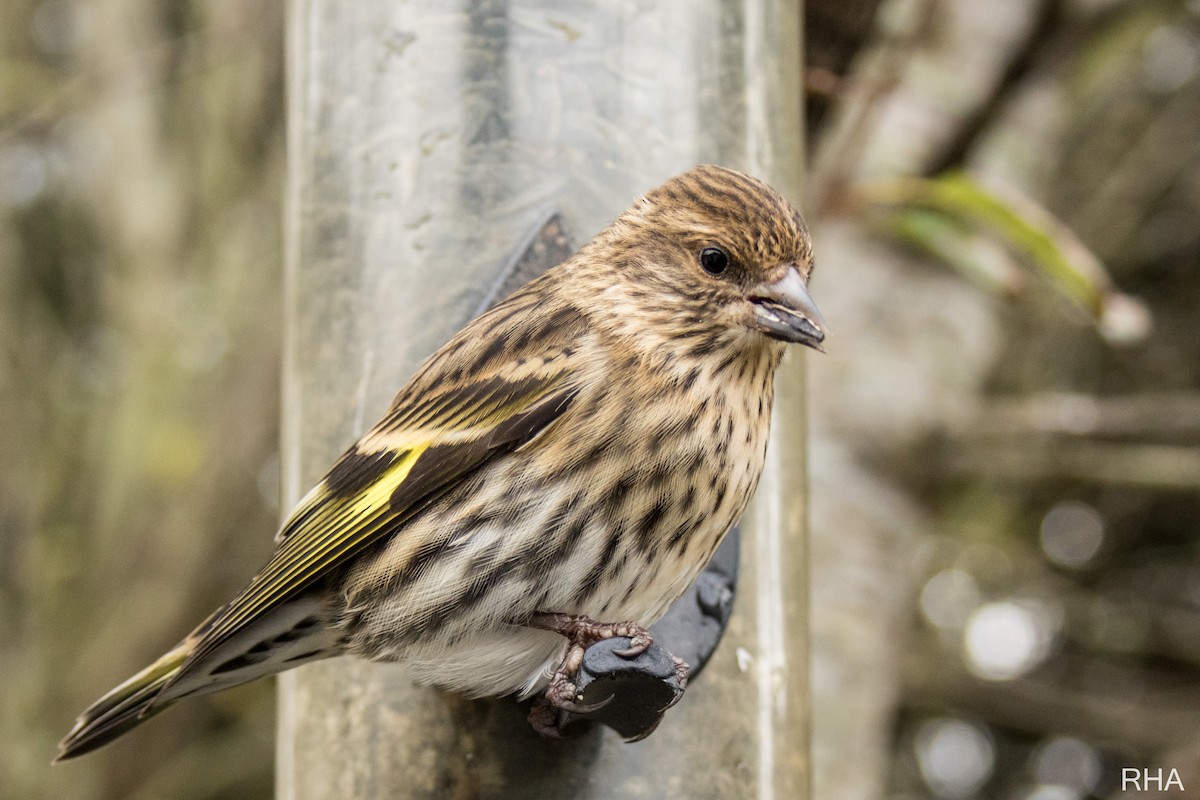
{"x": 580, "y": 448}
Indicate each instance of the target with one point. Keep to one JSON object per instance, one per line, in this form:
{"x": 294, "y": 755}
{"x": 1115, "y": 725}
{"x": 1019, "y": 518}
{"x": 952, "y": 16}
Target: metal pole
{"x": 426, "y": 139}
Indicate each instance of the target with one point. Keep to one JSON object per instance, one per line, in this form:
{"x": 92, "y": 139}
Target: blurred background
{"x": 1005, "y": 431}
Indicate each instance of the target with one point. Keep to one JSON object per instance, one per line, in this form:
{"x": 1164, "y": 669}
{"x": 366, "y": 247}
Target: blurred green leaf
{"x": 956, "y": 219}
{"x": 981, "y": 260}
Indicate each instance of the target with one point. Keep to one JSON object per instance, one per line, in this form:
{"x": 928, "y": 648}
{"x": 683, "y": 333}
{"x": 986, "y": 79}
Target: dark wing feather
{"x": 387, "y": 478}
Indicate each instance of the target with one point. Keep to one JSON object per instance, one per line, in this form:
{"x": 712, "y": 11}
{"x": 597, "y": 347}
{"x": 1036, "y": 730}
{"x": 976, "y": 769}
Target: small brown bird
{"x": 559, "y": 472}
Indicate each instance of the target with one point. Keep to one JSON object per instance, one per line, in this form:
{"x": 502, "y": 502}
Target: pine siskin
{"x": 575, "y": 454}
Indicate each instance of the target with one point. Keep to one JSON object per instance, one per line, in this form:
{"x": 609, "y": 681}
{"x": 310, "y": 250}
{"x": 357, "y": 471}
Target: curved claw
{"x": 681, "y": 675}
{"x": 639, "y": 642}
{"x": 583, "y": 708}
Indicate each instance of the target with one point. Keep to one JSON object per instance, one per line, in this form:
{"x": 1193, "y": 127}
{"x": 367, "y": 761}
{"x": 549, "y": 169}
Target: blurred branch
{"x": 1042, "y": 437}
{"x": 1089, "y": 698}
{"x": 1148, "y": 600}
{"x": 834, "y": 32}
{"x": 1161, "y": 153}
{"x": 1029, "y": 459}
{"x": 840, "y": 154}
{"x": 1041, "y": 37}
{"x": 1055, "y": 29}
{"x": 207, "y": 48}
{"x": 823, "y": 84}
{"x": 1149, "y": 414}
{"x": 1175, "y": 627}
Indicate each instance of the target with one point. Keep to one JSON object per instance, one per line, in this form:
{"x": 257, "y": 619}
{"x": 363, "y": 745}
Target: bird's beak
{"x": 785, "y": 310}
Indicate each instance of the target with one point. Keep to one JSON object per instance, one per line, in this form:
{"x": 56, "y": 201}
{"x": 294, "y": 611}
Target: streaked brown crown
{"x": 715, "y": 204}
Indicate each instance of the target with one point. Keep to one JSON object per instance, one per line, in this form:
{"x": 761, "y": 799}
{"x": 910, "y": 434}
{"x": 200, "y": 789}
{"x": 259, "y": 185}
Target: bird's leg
{"x": 581, "y": 633}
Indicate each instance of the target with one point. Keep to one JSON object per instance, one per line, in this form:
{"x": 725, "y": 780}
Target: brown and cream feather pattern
{"x": 580, "y": 448}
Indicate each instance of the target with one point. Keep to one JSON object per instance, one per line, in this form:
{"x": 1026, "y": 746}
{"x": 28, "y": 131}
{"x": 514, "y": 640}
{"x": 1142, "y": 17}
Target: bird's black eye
{"x": 714, "y": 260}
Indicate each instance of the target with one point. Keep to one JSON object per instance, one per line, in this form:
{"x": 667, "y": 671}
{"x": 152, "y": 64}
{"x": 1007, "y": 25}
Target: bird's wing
{"x": 429, "y": 442}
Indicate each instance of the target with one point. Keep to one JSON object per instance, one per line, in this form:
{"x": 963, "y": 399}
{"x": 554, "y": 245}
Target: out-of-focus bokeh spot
{"x": 948, "y": 598}
{"x": 1072, "y": 533}
{"x": 23, "y": 174}
{"x": 956, "y": 757}
{"x": 1067, "y": 766}
{"x": 1007, "y": 639}
{"x": 1170, "y": 58}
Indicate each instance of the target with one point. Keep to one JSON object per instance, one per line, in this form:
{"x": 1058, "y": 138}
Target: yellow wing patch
{"x": 376, "y": 487}
{"x": 333, "y": 526}
{"x": 380, "y": 492}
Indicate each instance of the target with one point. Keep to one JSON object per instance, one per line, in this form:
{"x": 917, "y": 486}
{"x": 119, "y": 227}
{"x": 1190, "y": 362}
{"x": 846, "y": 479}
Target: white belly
{"x": 508, "y": 661}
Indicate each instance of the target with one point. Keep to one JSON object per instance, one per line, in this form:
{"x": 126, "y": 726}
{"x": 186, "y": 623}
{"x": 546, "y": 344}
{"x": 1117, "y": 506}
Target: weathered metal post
{"x": 426, "y": 139}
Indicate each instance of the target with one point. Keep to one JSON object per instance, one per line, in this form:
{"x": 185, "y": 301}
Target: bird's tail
{"x": 294, "y": 633}
{"x": 124, "y": 707}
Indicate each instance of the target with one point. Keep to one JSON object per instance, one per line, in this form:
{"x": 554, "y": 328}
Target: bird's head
{"x": 723, "y": 256}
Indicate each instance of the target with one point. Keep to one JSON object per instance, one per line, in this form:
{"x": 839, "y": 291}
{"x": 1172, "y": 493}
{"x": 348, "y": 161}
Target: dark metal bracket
{"x": 636, "y": 692}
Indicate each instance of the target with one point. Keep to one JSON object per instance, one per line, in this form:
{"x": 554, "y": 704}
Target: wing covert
{"x": 387, "y": 477}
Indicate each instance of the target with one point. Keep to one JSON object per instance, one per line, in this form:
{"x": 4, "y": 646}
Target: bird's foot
{"x": 581, "y": 633}
{"x": 585, "y": 631}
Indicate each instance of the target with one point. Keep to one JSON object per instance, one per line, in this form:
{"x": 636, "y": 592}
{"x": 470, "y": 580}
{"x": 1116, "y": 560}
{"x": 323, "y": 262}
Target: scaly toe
{"x": 682, "y": 671}
{"x": 543, "y": 718}
{"x": 639, "y": 641}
